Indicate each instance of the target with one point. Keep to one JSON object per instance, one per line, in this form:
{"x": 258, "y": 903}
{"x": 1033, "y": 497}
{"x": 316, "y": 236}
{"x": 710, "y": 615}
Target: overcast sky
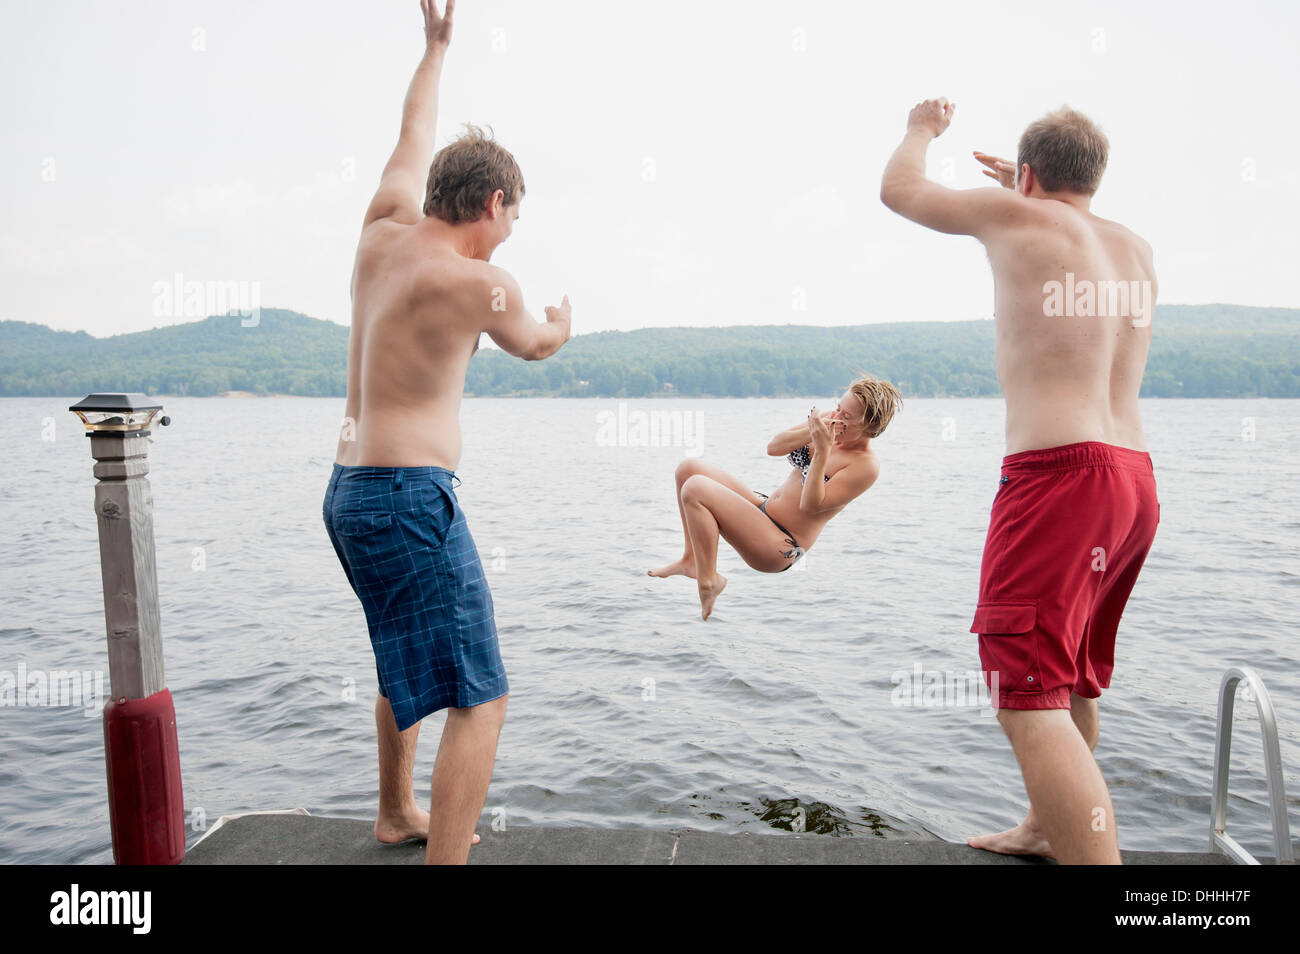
{"x": 710, "y": 163}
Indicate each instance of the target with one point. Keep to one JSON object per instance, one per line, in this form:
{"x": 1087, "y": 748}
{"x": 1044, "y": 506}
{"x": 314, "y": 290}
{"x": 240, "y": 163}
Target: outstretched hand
{"x": 563, "y": 313}
{"x": 561, "y": 318}
{"x": 1003, "y": 170}
{"x": 437, "y": 29}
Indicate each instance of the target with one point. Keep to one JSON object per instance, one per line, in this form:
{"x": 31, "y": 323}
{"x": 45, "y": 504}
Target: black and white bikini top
{"x": 802, "y": 458}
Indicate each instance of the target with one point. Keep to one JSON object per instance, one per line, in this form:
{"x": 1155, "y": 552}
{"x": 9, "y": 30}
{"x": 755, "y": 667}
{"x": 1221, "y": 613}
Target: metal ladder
{"x": 1220, "y": 841}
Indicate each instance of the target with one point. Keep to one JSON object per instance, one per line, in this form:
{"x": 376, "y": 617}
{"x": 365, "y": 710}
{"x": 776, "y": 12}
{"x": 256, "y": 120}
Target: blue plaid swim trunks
{"x": 401, "y": 537}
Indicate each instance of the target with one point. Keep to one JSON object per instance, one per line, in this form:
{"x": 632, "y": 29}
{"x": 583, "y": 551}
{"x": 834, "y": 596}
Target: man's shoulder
{"x": 1013, "y": 216}
{"x": 440, "y": 269}
{"x": 448, "y": 266}
{"x": 1059, "y": 222}
{"x": 1138, "y": 242}
{"x": 1122, "y": 232}
{"x": 475, "y": 292}
{"x": 379, "y": 236}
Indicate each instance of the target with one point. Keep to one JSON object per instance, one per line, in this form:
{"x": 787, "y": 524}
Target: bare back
{"x": 415, "y": 304}
{"x": 1074, "y": 295}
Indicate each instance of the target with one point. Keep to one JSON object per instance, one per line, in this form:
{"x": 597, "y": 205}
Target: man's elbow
{"x": 901, "y": 189}
{"x": 540, "y": 350}
{"x": 888, "y": 193}
{"x": 550, "y": 342}
{"x": 894, "y": 194}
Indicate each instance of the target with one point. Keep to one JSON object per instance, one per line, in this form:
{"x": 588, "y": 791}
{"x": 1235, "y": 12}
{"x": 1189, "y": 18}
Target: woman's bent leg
{"x": 687, "y": 469}
{"x": 710, "y": 510}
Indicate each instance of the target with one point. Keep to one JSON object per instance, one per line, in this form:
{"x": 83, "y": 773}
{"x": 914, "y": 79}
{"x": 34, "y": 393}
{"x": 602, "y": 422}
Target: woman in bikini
{"x": 834, "y": 464}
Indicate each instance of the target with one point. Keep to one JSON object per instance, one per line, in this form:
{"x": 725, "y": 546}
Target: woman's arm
{"x": 788, "y": 440}
{"x": 813, "y": 497}
{"x": 820, "y": 494}
{"x": 793, "y": 438}
{"x": 853, "y": 481}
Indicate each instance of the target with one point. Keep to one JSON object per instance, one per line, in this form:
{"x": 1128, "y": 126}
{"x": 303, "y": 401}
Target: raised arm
{"x": 793, "y": 438}
{"x": 401, "y": 187}
{"x": 788, "y": 440}
{"x": 905, "y": 189}
{"x": 516, "y": 331}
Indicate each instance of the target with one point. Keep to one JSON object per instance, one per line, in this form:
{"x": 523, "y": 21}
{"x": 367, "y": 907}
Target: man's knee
{"x": 1084, "y": 712}
{"x": 492, "y": 713}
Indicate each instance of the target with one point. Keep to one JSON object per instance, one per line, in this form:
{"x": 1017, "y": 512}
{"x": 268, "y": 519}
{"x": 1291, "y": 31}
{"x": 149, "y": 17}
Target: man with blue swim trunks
{"x": 422, "y": 294}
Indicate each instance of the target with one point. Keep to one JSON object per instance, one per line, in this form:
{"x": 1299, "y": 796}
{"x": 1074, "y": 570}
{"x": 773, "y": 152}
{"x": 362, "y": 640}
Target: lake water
{"x": 626, "y": 709}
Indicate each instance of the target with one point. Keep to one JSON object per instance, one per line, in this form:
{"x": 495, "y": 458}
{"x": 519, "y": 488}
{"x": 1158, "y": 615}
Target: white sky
{"x": 129, "y": 156}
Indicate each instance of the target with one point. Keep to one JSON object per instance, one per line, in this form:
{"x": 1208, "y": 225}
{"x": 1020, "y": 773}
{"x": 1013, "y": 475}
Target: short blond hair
{"x": 880, "y": 402}
{"x": 1066, "y": 151}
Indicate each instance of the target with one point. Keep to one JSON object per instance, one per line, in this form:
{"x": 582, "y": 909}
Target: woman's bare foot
{"x": 1024, "y": 839}
{"x": 709, "y": 593}
{"x": 413, "y": 823}
{"x": 683, "y": 567}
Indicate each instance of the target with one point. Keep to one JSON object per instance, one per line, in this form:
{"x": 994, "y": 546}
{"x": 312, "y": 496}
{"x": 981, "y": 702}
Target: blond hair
{"x": 880, "y": 402}
{"x": 1066, "y": 151}
{"x": 466, "y": 172}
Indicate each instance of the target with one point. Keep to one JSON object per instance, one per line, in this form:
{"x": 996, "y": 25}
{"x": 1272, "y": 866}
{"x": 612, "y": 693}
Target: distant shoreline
{"x": 1197, "y": 351}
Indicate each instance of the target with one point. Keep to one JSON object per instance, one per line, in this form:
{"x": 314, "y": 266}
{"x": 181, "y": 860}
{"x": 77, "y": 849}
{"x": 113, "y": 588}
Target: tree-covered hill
{"x": 285, "y": 353}
{"x": 1196, "y": 351}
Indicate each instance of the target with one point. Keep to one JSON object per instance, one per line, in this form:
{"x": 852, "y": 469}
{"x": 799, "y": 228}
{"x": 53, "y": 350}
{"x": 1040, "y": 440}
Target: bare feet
{"x": 412, "y": 824}
{"x": 1024, "y": 839}
{"x": 709, "y": 593}
{"x": 683, "y": 567}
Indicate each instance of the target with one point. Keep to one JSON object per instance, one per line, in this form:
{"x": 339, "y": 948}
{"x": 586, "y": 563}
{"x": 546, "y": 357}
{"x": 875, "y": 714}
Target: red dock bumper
{"x": 145, "y": 805}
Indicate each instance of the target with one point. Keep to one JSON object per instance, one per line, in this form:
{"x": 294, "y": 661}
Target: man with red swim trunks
{"x": 1075, "y": 510}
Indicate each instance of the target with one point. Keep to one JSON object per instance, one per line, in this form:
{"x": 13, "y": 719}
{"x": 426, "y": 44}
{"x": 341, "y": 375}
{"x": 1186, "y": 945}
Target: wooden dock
{"x": 300, "y": 839}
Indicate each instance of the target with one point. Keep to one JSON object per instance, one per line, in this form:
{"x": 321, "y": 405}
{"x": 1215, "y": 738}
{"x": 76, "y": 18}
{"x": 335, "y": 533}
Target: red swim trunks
{"x": 1070, "y": 529}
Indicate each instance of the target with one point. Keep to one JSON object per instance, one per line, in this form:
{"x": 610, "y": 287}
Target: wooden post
{"x": 124, "y": 508}
{"x": 141, "y": 747}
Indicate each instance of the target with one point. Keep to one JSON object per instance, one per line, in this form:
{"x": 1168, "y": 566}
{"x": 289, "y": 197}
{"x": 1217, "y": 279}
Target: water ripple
{"x": 626, "y": 710}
